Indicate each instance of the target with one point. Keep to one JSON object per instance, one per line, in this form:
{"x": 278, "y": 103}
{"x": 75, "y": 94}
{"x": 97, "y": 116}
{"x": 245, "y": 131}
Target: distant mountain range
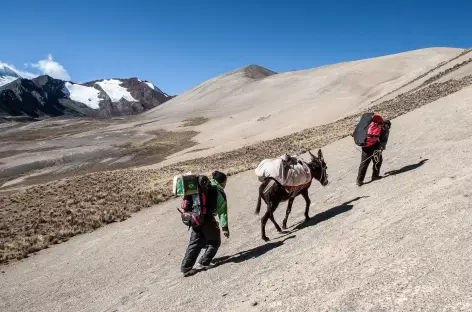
{"x": 44, "y": 96}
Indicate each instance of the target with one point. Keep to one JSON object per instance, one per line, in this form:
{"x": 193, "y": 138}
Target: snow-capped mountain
{"x": 46, "y": 96}
{"x": 7, "y": 74}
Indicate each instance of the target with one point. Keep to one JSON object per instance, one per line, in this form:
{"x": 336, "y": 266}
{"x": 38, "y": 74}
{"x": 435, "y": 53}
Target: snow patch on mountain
{"x": 155, "y": 88}
{"x": 83, "y": 94}
{"x": 7, "y": 74}
{"x": 150, "y": 85}
{"x": 115, "y": 91}
{"x": 6, "y": 80}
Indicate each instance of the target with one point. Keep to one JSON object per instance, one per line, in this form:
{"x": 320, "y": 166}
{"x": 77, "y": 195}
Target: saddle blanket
{"x": 288, "y": 171}
{"x": 295, "y": 189}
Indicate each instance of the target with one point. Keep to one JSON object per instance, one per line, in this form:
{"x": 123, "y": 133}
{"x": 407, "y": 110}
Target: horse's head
{"x": 318, "y": 168}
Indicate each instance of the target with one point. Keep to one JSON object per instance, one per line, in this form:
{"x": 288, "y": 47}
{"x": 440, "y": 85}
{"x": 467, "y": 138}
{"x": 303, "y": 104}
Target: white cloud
{"x": 45, "y": 67}
{"x": 19, "y": 72}
{"x": 52, "y": 68}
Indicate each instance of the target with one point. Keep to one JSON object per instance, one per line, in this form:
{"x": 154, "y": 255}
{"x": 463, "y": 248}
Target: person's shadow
{"x": 402, "y": 170}
{"x": 406, "y": 168}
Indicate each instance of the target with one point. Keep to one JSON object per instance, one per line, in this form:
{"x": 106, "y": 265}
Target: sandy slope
{"x": 244, "y": 110}
{"x": 244, "y": 106}
{"x": 403, "y": 246}
{"x": 417, "y": 82}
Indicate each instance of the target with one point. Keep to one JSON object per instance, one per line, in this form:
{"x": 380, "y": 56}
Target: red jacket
{"x": 375, "y": 128}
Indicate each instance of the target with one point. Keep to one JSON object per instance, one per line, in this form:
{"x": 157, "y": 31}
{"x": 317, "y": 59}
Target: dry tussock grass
{"x": 42, "y": 215}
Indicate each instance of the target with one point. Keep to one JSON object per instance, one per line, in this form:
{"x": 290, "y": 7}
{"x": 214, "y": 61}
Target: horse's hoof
{"x": 266, "y": 239}
{"x": 307, "y": 218}
{"x": 284, "y": 227}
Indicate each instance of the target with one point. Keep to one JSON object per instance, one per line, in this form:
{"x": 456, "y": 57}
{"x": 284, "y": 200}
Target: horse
{"x": 276, "y": 193}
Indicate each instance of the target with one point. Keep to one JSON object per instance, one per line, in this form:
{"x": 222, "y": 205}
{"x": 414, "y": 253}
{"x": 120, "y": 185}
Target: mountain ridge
{"x": 44, "y": 96}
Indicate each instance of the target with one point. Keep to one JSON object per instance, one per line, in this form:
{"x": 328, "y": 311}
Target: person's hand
{"x": 226, "y": 233}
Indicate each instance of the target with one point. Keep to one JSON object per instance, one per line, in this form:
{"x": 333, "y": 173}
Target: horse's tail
{"x": 258, "y": 207}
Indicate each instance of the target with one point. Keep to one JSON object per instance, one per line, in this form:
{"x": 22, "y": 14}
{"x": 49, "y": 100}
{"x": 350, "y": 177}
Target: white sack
{"x": 292, "y": 174}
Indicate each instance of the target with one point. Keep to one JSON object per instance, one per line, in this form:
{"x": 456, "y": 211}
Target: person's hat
{"x": 220, "y": 177}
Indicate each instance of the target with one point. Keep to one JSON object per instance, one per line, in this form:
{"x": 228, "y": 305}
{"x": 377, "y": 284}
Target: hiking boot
{"x": 189, "y": 272}
{"x": 203, "y": 266}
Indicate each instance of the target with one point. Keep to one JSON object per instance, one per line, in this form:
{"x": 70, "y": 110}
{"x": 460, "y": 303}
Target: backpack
{"x": 369, "y": 126}
{"x": 193, "y": 207}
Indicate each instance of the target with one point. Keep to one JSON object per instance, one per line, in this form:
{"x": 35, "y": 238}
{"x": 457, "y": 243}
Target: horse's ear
{"x": 312, "y": 156}
{"x": 320, "y": 155}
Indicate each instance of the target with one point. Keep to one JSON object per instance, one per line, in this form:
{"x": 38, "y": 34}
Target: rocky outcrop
{"x": 146, "y": 95}
{"x": 34, "y": 98}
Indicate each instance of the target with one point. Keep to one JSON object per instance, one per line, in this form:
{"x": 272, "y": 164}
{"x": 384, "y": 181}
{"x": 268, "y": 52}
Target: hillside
{"x": 52, "y": 149}
{"x": 74, "y": 156}
{"x": 398, "y": 244}
{"x": 243, "y": 109}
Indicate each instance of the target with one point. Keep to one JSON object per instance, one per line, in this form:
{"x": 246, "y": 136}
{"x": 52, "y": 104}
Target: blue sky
{"x": 179, "y": 44}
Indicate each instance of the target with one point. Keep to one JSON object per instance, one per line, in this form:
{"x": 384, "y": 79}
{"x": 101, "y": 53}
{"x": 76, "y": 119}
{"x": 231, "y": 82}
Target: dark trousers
{"x": 367, "y": 156}
{"x": 208, "y": 237}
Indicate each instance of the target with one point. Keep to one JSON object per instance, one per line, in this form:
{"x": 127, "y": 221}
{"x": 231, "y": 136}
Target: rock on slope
{"x": 45, "y": 96}
{"x": 241, "y": 107}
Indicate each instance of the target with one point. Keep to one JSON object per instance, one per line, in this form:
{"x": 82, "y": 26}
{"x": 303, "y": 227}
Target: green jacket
{"x": 221, "y": 206}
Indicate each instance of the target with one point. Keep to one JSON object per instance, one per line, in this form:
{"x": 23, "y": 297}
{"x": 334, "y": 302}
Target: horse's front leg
{"x": 308, "y": 203}
{"x": 289, "y": 209}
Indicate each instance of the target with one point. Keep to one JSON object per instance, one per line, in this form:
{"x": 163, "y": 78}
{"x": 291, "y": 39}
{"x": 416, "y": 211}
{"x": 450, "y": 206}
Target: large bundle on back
{"x": 288, "y": 171}
{"x": 368, "y": 127}
{"x": 189, "y": 184}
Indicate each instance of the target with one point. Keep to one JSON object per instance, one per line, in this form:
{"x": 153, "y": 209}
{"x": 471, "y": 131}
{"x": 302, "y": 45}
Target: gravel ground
{"x": 398, "y": 244}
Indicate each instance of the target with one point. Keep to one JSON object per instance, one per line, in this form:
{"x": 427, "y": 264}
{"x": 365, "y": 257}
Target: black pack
{"x": 360, "y": 132}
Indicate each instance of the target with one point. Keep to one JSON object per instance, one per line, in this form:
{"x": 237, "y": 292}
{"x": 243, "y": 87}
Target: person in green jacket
{"x": 208, "y": 235}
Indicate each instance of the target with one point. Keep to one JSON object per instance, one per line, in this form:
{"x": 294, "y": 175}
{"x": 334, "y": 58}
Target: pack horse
{"x": 283, "y": 179}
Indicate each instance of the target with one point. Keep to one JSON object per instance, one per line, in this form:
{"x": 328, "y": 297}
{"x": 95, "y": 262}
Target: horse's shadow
{"x": 289, "y": 234}
{"x": 326, "y": 215}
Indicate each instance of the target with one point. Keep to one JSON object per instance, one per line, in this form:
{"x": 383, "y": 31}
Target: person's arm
{"x": 384, "y": 138}
{"x": 222, "y": 210}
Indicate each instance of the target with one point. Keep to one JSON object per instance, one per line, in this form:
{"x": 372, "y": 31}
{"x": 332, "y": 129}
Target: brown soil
{"x": 46, "y": 214}
{"x": 6, "y": 154}
{"x": 193, "y": 122}
{"x": 56, "y": 130}
{"x": 163, "y": 144}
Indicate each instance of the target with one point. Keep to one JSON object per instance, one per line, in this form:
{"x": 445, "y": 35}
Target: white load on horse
{"x": 289, "y": 171}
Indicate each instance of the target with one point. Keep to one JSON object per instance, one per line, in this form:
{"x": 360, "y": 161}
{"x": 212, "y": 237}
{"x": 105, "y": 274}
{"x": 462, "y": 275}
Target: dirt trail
{"x": 398, "y": 244}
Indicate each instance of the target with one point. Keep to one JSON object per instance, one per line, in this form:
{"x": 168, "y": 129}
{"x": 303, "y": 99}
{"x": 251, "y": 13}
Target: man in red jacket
{"x": 377, "y": 137}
